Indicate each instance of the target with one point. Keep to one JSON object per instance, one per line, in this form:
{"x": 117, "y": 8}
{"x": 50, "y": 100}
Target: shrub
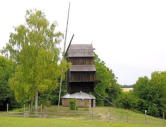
{"x": 73, "y": 105}
{"x": 153, "y": 110}
{"x": 127, "y": 100}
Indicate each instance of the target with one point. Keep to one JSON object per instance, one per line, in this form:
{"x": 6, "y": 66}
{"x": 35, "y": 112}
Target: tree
{"x": 108, "y": 86}
{"x": 127, "y": 100}
{"x": 152, "y": 93}
{"x": 127, "y": 86}
{"x": 6, "y": 95}
{"x": 34, "y": 48}
{"x": 158, "y": 80}
{"x": 52, "y": 96}
{"x": 141, "y": 87}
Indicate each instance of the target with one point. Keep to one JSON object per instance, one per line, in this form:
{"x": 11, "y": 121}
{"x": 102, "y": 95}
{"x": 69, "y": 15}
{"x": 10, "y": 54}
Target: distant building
{"x": 81, "y": 77}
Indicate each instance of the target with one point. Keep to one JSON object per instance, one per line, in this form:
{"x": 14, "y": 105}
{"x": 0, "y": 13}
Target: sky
{"x": 128, "y": 35}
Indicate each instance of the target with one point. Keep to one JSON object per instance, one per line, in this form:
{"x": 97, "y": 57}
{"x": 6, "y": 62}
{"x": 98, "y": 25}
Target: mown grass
{"x": 42, "y": 122}
{"x": 122, "y": 115}
{"x": 110, "y": 114}
{"x": 105, "y": 116}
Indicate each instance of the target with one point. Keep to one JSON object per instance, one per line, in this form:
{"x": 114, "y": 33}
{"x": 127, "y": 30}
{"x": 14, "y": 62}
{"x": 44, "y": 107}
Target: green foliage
{"x": 34, "y": 48}
{"x": 52, "y": 95}
{"x": 141, "y": 87}
{"x": 113, "y": 91}
{"x": 108, "y": 86}
{"x": 152, "y": 93}
{"x": 127, "y": 86}
{"x": 127, "y": 100}
{"x": 73, "y": 104}
{"x": 6, "y": 95}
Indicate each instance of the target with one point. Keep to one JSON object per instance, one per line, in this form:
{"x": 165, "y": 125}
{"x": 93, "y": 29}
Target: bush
{"x": 99, "y": 102}
{"x": 73, "y": 105}
{"x": 153, "y": 110}
{"x": 142, "y": 105}
{"x": 127, "y": 101}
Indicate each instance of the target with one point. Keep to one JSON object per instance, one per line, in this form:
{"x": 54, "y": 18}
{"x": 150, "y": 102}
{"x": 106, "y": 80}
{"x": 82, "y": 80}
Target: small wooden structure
{"x": 82, "y": 99}
{"x": 81, "y": 76}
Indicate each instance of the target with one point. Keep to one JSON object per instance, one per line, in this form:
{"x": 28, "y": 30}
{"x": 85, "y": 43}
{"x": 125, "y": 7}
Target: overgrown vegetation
{"x": 73, "y": 104}
{"x": 152, "y": 93}
{"x": 7, "y": 68}
{"x": 148, "y": 94}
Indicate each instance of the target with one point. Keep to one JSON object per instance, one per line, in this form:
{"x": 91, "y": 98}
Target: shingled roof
{"x": 82, "y": 68}
{"x": 80, "y": 50}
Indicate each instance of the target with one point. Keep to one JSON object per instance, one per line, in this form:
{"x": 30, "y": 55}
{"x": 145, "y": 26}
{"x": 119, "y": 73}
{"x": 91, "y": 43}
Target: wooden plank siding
{"x": 80, "y": 86}
{"x": 82, "y": 76}
{"x": 82, "y": 68}
{"x": 81, "y": 60}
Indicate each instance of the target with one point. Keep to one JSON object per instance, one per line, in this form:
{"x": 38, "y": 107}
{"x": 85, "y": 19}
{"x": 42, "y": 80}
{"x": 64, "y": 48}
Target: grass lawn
{"x": 42, "y": 122}
{"x": 110, "y": 114}
{"x": 63, "y": 117}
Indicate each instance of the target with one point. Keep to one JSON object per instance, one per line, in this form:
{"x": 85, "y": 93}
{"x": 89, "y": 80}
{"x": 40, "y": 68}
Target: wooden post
{"x": 127, "y": 116}
{"x": 29, "y": 108}
{"x": 7, "y": 107}
{"x": 110, "y": 115}
{"x": 24, "y": 110}
{"x": 145, "y": 116}
{"x": 24, "y": 107}
{"x": 163, "y": 118}
{"x": 92, "y": 113}
{"x": 41, "y": 108}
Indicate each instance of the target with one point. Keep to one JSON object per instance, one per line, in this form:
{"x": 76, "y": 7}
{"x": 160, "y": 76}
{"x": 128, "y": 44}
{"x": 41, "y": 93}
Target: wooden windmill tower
{"x": 81, "y": 77}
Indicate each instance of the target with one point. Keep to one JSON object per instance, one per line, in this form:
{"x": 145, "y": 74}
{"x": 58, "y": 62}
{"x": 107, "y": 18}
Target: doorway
{"x": 92, "y": 101}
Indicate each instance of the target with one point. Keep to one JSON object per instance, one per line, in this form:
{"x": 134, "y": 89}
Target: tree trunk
{"x": 36, "y": 101}
{"x": 59, "y": 100}
{"x": 31, "y": 106}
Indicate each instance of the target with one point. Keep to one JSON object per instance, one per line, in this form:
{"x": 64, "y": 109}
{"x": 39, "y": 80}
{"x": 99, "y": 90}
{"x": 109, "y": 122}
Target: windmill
{"x": 81, "y": 77}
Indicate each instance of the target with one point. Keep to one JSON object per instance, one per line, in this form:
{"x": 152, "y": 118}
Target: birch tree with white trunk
{"x": 34, "y": 48}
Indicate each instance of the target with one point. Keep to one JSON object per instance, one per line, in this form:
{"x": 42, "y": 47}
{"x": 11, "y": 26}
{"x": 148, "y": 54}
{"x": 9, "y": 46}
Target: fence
{"x": 97, "y": 114}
